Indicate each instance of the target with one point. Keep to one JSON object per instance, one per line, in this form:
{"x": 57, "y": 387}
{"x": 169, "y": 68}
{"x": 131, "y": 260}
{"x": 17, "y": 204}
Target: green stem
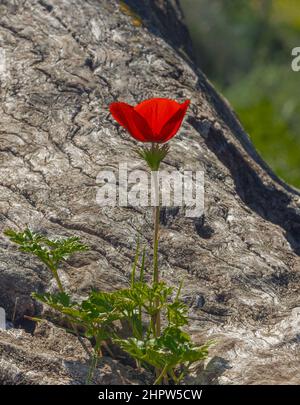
{"x": 155, "y": 249}
{"x": 175, "y": 379}
{"x": 61, "y": 289}
{"x": 155, "y": 244}
{"x": 156, "y": 214}
{"x": 57, "y": 279}
{"x": 153, "y": 158}
{"x": 94, "y": 361}
{"x": 161, "y": 375}
{"x": 93, "y": 366}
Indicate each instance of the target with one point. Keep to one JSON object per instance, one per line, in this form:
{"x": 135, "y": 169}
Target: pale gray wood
{"x": 2, "y": 319}
{"x": 62, "y": 63}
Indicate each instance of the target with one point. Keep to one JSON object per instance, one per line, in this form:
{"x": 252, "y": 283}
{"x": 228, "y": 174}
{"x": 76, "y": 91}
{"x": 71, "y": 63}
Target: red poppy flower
{"x": 153, "y": 120}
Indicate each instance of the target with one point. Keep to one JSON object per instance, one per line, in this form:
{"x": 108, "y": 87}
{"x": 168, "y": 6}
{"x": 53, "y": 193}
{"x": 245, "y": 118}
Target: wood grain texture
{"x": 62, "y": 63}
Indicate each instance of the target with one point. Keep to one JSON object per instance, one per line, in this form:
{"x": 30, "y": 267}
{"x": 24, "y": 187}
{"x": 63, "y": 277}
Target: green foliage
{"x": 59, "y": 301}
{"x": 145, "y": 296}
{"x": 94, "y": 315}
{"x": 270, "y": 115}
{"x": 177, "y": 313}
{"x": 153, "y": 155}
{"x": 254, "y": 71}
{"x": 168, "y": 352}
{"x": 171, "y": 353}
{"x": 50, "y": 251}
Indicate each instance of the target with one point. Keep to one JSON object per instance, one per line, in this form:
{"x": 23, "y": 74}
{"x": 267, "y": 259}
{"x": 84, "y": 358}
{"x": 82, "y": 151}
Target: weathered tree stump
{"x": 62, "y": 63}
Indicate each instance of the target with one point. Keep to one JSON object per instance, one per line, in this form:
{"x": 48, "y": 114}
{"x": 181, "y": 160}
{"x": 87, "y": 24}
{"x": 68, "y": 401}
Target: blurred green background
{"x": 244, "y": 47}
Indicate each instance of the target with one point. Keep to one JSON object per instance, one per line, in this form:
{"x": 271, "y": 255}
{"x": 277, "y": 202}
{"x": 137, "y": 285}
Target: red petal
{"x": 135, "y": 124}
{"x": 172, "y": 126}
{"x": 157, "y": 112}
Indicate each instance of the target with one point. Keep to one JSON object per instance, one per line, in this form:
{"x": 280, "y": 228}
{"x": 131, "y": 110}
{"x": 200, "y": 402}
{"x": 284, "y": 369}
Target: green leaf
{"x": 154, "y": 155}
{"x": 171, "y": 350}
{"x": 50, "y": 251}
{"x": 95, "y": 315}
{"x": 142, "y": 270}
{"x": 177, "y": 313}
{"x": 60, "y": 299}
{"x": 136, "y": 258}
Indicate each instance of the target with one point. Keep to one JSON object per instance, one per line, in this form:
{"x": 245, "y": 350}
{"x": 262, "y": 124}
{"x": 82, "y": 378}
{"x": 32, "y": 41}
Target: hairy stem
{"x": 57, "y": 279}
{"x": 92, "y": 368}
{"x": 161, "y": 375}
{"x": 61, "y": 289}
{"x": 156, "y": 212}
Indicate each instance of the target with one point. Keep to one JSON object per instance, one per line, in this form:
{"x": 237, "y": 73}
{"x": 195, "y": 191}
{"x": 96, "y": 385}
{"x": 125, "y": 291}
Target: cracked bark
{"x": 62, "y": 63}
